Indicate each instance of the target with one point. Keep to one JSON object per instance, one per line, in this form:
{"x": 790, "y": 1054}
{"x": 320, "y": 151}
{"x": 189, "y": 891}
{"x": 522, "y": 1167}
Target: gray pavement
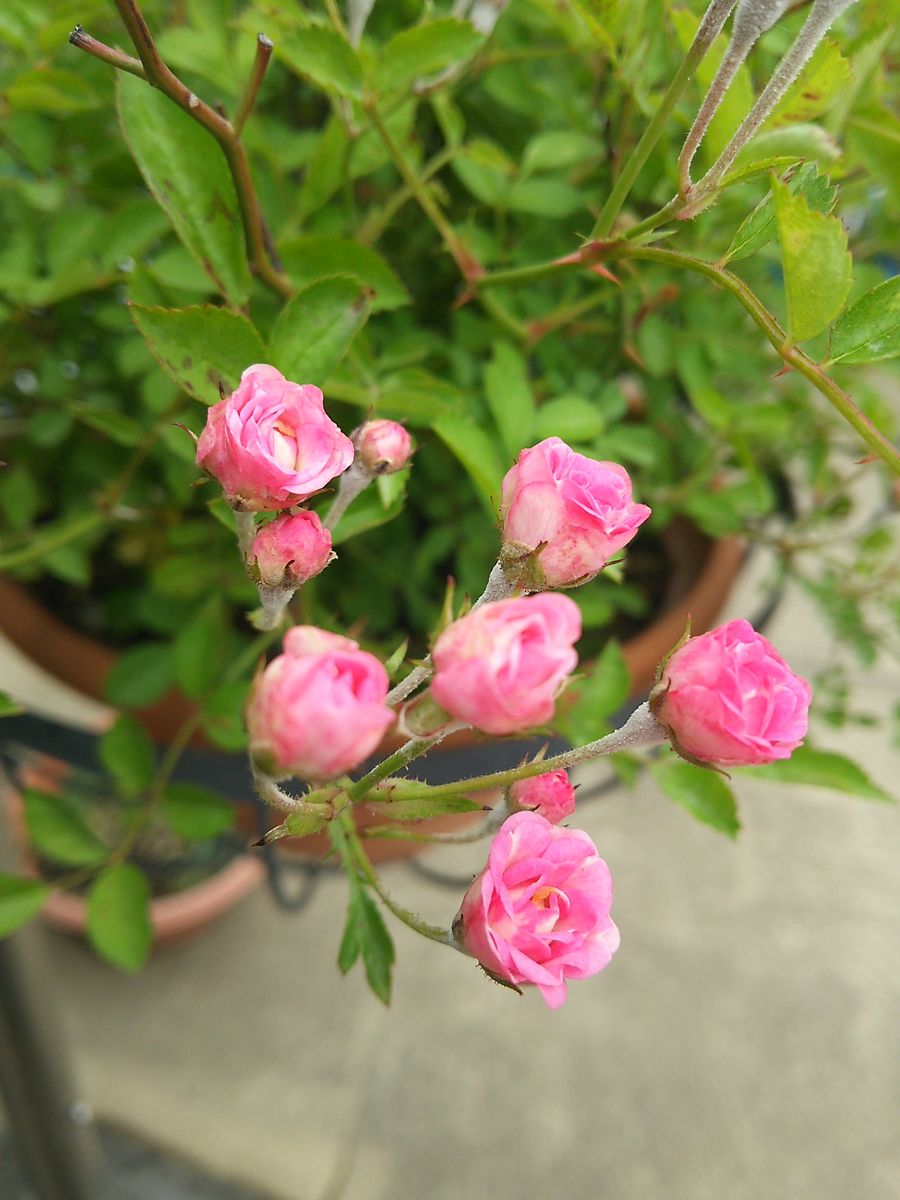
{"x": 742, "y": 1045}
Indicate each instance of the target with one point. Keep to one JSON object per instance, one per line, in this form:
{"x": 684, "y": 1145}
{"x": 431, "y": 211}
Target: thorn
{"x": 599, "y": 269}
{"x": 261, "y": 842}
{"x": 869, "y": 458}
{"x": 785, "y": 370}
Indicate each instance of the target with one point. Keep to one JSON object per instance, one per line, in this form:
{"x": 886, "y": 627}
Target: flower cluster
{"x": 539, "y": 912}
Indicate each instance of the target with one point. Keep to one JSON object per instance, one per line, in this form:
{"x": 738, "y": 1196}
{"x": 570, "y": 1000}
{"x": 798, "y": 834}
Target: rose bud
{"x": 383, "y": 446}
{"x": 317, "y": 710}
{"x": 288, "y": 551}
{"x": 539, "y": 911}
{"x": 727, "y": 697}
{"x": 551, "y": 796}
{"x": 500, "y": 667}
{"x": 574, "y": 511}
{"x": 270, "y": 444}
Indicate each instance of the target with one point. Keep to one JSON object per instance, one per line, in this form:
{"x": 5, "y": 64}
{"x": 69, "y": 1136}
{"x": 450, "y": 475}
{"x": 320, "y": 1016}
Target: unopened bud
{"x": 290, "y": 550}
{"x": 383, "y": 446}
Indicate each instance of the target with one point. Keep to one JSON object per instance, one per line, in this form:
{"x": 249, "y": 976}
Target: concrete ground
{"x": 742, "y": 1045}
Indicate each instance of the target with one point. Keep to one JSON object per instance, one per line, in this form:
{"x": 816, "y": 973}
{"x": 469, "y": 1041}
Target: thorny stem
{"x": 468, "y": 267}
{"x": 708, "y": 31}
{"x": 264, "y": 49}
{"x": 158, "y": 75}
{"x": 641, "y": 729}
{"x": 793, "y": 356}
{"x": 414, "y": 748}
{"x": 355, "y": 858}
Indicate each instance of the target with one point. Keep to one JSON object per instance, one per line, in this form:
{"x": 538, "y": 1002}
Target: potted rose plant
{"x": 563, "y": 295}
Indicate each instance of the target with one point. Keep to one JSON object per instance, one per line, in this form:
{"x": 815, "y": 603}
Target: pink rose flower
{"x": 582, "y": 509}
{"x": 383, "y": 446}
{"x": 500, "y": 667}
{"x": 539, "y": 911}
{"x": 728, "y": 697}
{"x": 552, "y": 796}
{"x": 290, "y": 550}
{"x": 317, "y": 710}
{"x": 271, "y": 444}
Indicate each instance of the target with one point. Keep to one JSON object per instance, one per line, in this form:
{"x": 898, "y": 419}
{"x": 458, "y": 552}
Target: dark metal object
{"x": 52, "y": 1125}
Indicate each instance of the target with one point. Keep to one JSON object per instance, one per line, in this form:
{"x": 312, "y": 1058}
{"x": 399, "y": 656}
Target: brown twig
{"x": 107, "y": 54}
{"x": 158, "y": 75}
{"x": 264, "y": 49}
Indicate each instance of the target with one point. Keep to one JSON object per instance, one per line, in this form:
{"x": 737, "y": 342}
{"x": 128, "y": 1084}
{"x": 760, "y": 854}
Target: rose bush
{"x": 728, "y": 697}
{"x": 270, "y": 444}
{"x": 539, "y": 911}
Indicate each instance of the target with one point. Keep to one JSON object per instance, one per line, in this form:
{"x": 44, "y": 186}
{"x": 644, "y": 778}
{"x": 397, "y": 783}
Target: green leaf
{"x": 704, "y": 793}
{"x": 817, "y": 264}
{"x": 869, "y": 331}
{"x": 366, "y": 512}
{"x": 822, "y": 768}
{"x": 479, "y": 455}
{"x": 319, "y": 256}
{"x": 140, "y": 676}
{"x": 875, "y": 138}
{"x": 571, "y": 418}
{"x": 201, "y": 648}
{"x": 815, "y": 89}
{"x": 20, "y": 900}
{"x": 810, "y": 142}
{"x": 119, "y": 917}
{"x": 557, "y": 149}
{"x": 316, "y": 328}
{"x": 418, "y": 396}
{"x": 425, "y": 49}
{"x": 196, "y": 813}
{"x": 583, "y": 709}
{"x": 420, "y": 809}
{"x": 57, "y": 832}
{"x": 509, "y": 397}
{"x": 325, "y": 58}
{"x": 186, "y": 171}
{"x": 759, "y": 227}
{"x": 224, "y": 719}
{"x": 544, "y": 198}
{"x": 118, "y": 427}
{"x": 9, "y": 707}
{"x": 56, "y": 92}
{"x": 366, "y": 933}
{"x": 201, "y": 346}
{"x": 127, "y": 753}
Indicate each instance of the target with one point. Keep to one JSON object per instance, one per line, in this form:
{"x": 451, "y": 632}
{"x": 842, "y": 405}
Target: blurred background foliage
{"x": 516, "y": 138}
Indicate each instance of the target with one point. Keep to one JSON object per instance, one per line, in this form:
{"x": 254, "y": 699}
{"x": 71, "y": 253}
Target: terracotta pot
{"x": 173, "y": 918}
{"x": 701, "y": 574}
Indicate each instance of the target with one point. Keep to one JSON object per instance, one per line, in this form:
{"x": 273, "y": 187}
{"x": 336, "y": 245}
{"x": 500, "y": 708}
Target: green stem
{"x": 358, "y": 858}
{"x": 793, "y": 356}
{"x": 709, "y": 28}
{"x": 59, "y": 537}
{"x": 414, "y": 748}
{"x": 641, "y": 729}
{"x": 468, "y": 267}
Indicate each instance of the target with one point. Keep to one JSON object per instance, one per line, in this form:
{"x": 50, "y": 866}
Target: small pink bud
{"x": 383, "y": 446}
{"x": 551, "y": 796}
{"x": 539, "y": 911}
{"x": 290, "y": 550}
{"x": 567, "y": 513}
{"x": 500, "y": 667}
{"x": 317, "y": 710}
{"x": 727, "y": 697}
{"x": 270, "y": 443}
